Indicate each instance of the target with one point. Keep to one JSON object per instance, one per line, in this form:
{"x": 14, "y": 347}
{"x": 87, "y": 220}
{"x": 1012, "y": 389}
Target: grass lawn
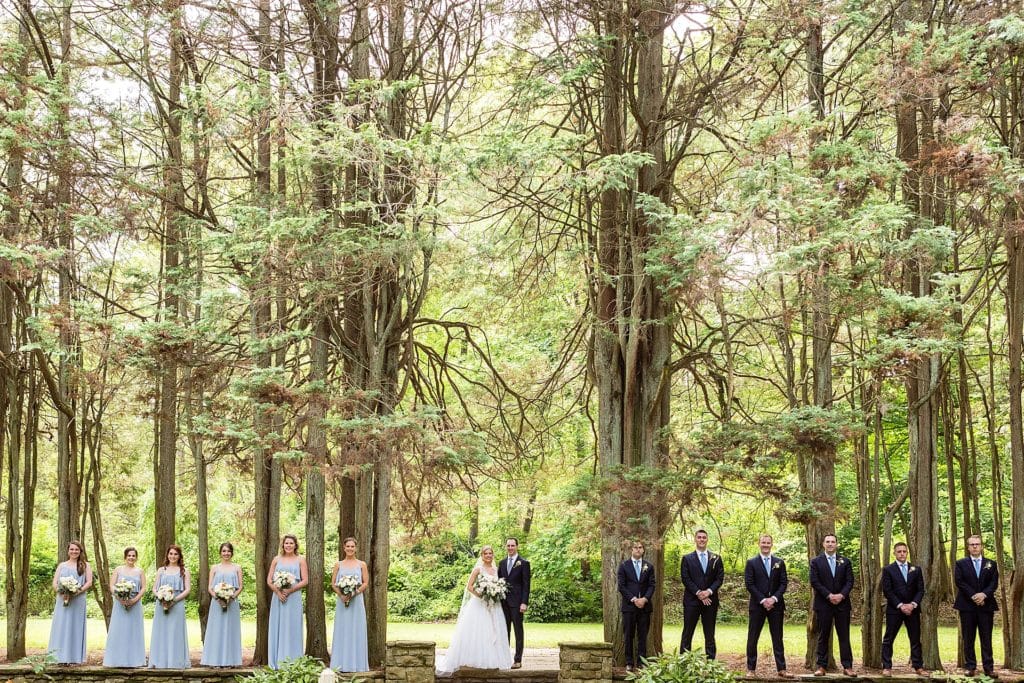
{"x": 732, "y": 637}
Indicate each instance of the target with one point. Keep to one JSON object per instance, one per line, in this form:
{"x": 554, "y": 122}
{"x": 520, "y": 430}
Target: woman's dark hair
{"x": 181, "y": 558}
{"x": 80, "y": 565}
{"x": 227, "y": 544}
{"x": 130, "y": 549}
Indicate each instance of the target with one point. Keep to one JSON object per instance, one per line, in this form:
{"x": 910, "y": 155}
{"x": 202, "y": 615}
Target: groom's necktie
{"x": 636, "y": 568}
{"x": 768, "y": 565}
{"x": 703, "y": 562}
{"x": 903, "y": 568}
{"x": 508, "y": 566}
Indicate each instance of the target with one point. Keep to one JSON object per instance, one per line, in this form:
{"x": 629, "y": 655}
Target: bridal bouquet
{"x": 165, "y": 594}
{"x": 225, "y": 593}
{"x": 124, "y": 590}
{"x": 490, "y": 589}
{"x": 283, "y": 580}
{"x": 349, "y": 585}
{"x": 67, "y": 587}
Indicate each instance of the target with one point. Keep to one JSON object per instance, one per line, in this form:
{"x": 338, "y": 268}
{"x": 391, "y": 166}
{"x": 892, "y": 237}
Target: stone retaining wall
{"x": 584, "y": 663}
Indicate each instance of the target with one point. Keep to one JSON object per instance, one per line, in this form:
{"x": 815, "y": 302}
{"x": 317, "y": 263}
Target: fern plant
{"x": 688, "y": 667}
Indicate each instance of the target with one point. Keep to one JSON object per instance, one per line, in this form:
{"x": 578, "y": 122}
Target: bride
{"x": 480, "y": 639}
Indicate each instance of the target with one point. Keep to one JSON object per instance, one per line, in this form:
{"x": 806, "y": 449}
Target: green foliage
{"x": 689, "y": 667}
{"x": 302, "y": 670}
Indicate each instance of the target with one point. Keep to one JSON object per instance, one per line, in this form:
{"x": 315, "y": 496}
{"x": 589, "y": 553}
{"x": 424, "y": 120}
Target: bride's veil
{"x": 466, "y": 595}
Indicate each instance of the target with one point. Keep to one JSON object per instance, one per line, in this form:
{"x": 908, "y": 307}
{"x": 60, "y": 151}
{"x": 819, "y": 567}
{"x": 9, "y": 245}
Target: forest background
{"x": 434, "y": 273}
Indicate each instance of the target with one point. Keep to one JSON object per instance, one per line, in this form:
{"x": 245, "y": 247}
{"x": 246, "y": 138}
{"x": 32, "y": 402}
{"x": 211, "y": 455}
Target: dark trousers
{"x": 894, "y": 619}
{"x": 981, "y": 623}
{"x": 636, "y": 623}
{"x": 827, "y": 618}
{"x": 514, "y": 619}
{"x": 706, "y": 615}
{"x": 775, "y": 618}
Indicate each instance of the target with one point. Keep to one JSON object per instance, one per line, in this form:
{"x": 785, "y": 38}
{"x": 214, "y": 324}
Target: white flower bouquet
{"x": 165, "y": 595}
{"x": 124, "y": 590}
{"x": 348, "y": 585}
{"x": 225, "y": 593}
{"x": 489, "y": 588}
{"x": 283, "y": 580}
{"x": 68, "y": 586}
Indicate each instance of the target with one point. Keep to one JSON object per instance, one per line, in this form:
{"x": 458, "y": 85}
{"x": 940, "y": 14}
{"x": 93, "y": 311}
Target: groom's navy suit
{"x": 636, "y": 620}
{"x": 518, "y": 580}
{"x": 695, "y": 578}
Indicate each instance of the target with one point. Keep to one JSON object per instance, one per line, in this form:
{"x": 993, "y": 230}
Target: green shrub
{"x": 564, "y": 600}
{"x": 301, "y": 670}
{"x": 688, "y": 667}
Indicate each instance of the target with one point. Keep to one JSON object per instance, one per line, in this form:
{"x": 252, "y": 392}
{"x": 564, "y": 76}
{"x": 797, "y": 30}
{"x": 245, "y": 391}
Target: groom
{"x": 516, "y": 572}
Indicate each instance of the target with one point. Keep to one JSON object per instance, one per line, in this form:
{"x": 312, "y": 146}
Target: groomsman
{"x": 832, "y": 581}
{"x": 702, "y": 574}
{"x": 976, "y": 578}
{"x": 903, "y": 587}
{"x": 766, "y": 581}
{"x": 636, "y": 585}
{"x": 516, "y": 572}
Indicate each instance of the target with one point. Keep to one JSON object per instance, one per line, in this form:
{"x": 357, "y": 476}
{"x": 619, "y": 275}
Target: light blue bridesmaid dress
{"x": 67, "y": 629}
{"x": 284, "y": 639}
{"x": 126, "y": 642}
{"x": 223, "y": 643}
{"x": 348, "y": 648}
{"x": 168, "y": 646}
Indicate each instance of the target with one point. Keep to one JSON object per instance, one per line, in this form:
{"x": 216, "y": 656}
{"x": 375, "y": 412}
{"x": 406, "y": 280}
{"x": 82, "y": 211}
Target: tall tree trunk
{"x": 316, "y": 617}
{"x": 266, "y": 469}
{"x": 69, "y": 364}
{"x": 165, "y": 476}
{"x": 819, "y": 475}
{"x": 630, "y": 335}
{"x": 18, "y": 531}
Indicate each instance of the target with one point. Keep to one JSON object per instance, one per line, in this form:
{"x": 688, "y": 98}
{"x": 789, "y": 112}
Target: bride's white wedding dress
{"x": 480, "y": 639}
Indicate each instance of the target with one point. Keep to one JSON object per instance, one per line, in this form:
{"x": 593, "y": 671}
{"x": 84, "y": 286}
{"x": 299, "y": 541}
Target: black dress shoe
{"x": 517, "y": 665}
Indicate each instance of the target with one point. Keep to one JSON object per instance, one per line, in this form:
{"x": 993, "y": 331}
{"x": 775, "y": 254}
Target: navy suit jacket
{"x": 824, "y": 583}
{"x": 630, "y": 587}
{"x": 897, "y": 591}
{"x": 968, "y": 583}
{"x": 761, "y": 586}
{"x": 696, "y": 579}
{"x": 518, "y": 581}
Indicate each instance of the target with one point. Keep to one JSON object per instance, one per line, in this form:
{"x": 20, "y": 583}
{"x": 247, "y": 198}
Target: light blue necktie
{"x": 768, "y": 565}
{"x": 704, "y": 562}
{"x": 636, "y": 567}
{"x": 903, "y": 568}
{"x": 977, "y": 567}
{"x": 832, "y": 564}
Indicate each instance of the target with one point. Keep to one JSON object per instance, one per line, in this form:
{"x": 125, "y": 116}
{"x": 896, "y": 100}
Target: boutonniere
{"x": 988, "y": 565}
{"x": 644, "y": 568}
{"x": 911, "y": 569}
{"x": 711, "y": 559}
{"x": 518, "y": 562}
{"x": 776, "y": 565}
{"x": 840, "y": 560}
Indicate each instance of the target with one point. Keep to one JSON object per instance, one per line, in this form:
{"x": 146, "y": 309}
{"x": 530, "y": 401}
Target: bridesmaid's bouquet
{"x": 224, "y": 593}
{"x": 123, "y": 590}
{"x": 165, "y": 595}
{"x": 67, "y": 586}
{"x": 348, "y": 585}
{"x": 491, "y": 589}
{"x": 283, "y": 580}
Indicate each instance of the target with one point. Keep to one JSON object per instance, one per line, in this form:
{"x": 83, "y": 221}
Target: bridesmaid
{"x": 67, "y": 629}
{"x": 284, "y": 639}
{"x": 223, "y": 644}
{"x": 126, "y": 643}
{"x": 168, "y": 646}
{"x": 349, "y": 645}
